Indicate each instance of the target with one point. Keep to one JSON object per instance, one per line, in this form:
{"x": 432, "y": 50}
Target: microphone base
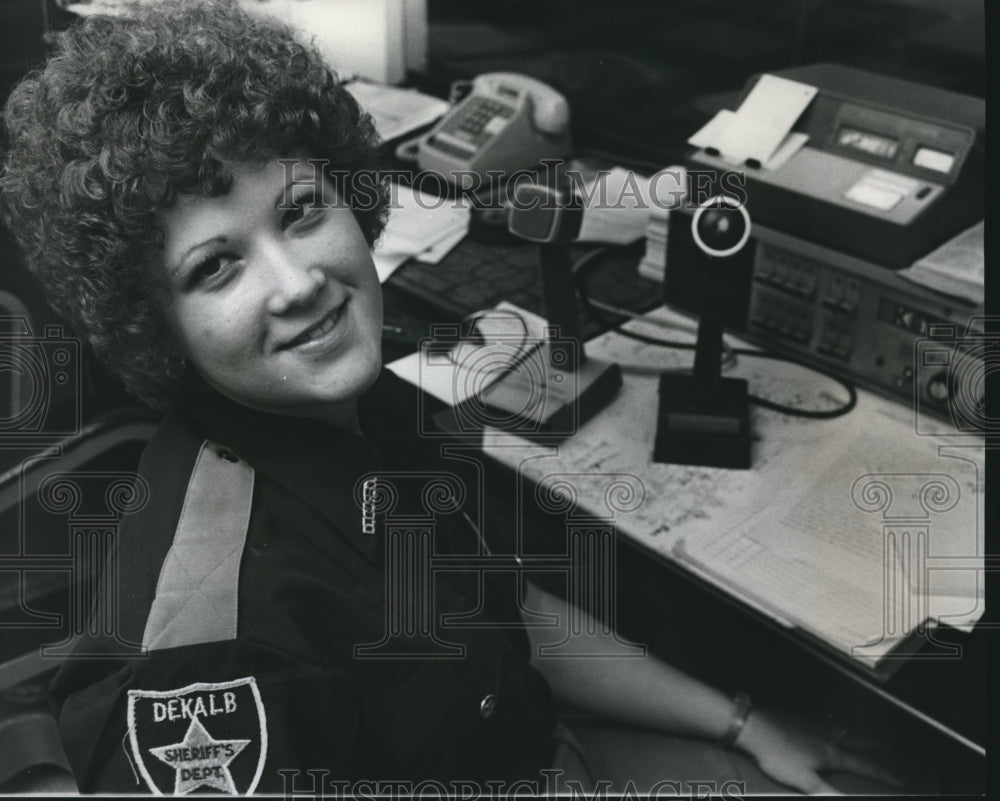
{"x": 699, "y": 428}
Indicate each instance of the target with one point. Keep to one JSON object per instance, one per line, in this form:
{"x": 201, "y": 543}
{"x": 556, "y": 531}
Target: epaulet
{"x": 198, "y": 588}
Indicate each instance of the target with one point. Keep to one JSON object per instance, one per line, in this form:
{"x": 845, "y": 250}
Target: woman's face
{"x": 278, "y": 309}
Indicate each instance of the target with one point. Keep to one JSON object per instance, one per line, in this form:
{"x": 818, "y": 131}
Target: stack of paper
{"x": 396, "y": 111}
{"x": 760, "y": 131}
{"x": 420, "y": 226}
{"x": 956, "y": 268}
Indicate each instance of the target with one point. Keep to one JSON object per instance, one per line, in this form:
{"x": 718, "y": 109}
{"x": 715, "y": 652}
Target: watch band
{"x": 739, "y": 720}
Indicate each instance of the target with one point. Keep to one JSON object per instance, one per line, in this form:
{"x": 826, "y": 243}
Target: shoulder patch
{"x": 205, "y": 736}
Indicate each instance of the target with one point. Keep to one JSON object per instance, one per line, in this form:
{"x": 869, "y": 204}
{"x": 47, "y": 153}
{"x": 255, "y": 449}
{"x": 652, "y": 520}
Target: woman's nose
{"x": 292, "y": 285}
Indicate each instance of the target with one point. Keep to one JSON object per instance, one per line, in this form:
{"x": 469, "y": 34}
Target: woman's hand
{"x": 794, "y": 756}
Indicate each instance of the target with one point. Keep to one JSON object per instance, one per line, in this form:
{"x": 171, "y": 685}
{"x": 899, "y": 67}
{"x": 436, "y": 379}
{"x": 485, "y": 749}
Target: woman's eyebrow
{"x": 284, "y": 199}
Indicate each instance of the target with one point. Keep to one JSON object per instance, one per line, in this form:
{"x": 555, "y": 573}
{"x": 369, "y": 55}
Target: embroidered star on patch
{"x": 200, "y": 760}
{"x": 209, "y": 736}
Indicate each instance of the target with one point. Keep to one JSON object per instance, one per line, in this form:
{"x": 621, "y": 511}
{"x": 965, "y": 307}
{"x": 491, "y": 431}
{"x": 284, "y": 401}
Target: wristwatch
{"x": 743, "y": 706}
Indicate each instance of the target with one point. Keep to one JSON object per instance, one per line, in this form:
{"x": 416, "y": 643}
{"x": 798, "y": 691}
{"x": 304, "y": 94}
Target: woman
{"x": 193, "y": 188}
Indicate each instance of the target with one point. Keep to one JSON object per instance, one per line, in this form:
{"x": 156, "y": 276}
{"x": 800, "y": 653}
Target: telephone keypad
{"x": 480, "y": 116}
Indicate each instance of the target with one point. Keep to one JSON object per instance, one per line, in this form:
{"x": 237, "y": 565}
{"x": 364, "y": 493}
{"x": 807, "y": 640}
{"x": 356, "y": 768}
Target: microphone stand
{"x": 704, "y": 418}
{"x": 553, "y": 396}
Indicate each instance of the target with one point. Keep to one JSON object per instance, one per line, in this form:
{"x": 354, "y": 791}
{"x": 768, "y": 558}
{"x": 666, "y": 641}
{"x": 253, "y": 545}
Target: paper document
{"x": 438, "y": 251}
{"x": 761, "y": 125}
{"x": 455, "y": 372}
{"x": 419, "y": 223}
{"x": 793, "y": 144}
{"x": 956, "y": 268}
{"x": 387, "y": 261}
{"x": 617, "y": 206}
{"x": 832, "y": 560}
{"x": 396, "y": 111}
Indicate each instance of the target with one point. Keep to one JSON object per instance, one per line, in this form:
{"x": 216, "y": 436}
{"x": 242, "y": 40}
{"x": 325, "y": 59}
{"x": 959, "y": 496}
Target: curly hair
{"x": 129, "y": 113}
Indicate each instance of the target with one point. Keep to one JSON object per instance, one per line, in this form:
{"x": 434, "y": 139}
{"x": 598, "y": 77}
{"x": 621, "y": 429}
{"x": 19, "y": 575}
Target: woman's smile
{"x": 317, "y": 336}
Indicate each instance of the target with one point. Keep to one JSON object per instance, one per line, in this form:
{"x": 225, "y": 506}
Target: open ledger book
{"x": 865, "y": 530}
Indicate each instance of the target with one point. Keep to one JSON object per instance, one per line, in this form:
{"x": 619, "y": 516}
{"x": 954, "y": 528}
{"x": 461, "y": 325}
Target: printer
{"x": 889, "y": 170}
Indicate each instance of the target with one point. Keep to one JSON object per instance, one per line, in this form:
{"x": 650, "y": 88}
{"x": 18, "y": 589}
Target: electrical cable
{"x": 586, "y": 263}
{"x": 581, "y": 267}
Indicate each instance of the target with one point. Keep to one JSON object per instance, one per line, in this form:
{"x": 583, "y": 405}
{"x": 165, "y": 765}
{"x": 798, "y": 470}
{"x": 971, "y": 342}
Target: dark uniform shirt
{"x": 349, "y": 634}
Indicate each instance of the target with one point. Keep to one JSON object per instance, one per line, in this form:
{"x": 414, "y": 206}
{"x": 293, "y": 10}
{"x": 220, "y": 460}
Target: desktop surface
{"x": 798, "y": 539}
{"x": 929, "y": 704}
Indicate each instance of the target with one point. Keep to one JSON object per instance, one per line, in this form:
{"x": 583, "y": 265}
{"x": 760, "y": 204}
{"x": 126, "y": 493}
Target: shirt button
{"x": 487, "y": 706}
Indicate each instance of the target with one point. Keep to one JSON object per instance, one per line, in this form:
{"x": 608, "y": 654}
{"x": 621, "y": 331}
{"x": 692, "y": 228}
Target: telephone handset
{"x": 507, "y": 122}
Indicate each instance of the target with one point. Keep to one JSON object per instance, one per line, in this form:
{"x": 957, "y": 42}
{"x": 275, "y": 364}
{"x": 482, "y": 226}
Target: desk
{"x": 726, "y": 538}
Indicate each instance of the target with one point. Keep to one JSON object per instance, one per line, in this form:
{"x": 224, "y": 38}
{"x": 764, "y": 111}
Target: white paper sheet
{"x": 958, "y": 267}
{"x": 761, "y": 125}
{"x": 454, "y": 374}
{"x": 419, "y": 224}
{"x": 396, "y": 111}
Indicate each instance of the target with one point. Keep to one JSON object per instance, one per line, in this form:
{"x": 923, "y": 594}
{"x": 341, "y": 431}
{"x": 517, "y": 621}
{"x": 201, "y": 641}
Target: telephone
{"x": 507, "y": 122}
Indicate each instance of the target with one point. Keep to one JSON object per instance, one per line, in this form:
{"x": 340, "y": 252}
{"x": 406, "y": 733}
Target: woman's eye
{"x": 211, "y": 268}
{"x": 306, "y": 207}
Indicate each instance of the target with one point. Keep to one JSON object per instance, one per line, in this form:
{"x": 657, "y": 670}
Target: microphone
{"x": 704, "y": 418}
{"x": 568, "y": 388}
{"x": 552, "y": 217}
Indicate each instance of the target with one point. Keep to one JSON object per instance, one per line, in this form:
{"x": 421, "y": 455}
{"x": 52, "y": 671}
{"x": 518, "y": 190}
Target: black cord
{"x": 581, "y": 268}
{"x": 813, "y": 414}
{"x": 585, "y": 264}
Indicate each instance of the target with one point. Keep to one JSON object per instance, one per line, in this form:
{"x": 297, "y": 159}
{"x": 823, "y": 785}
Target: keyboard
{"x": 476, "y": 276}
